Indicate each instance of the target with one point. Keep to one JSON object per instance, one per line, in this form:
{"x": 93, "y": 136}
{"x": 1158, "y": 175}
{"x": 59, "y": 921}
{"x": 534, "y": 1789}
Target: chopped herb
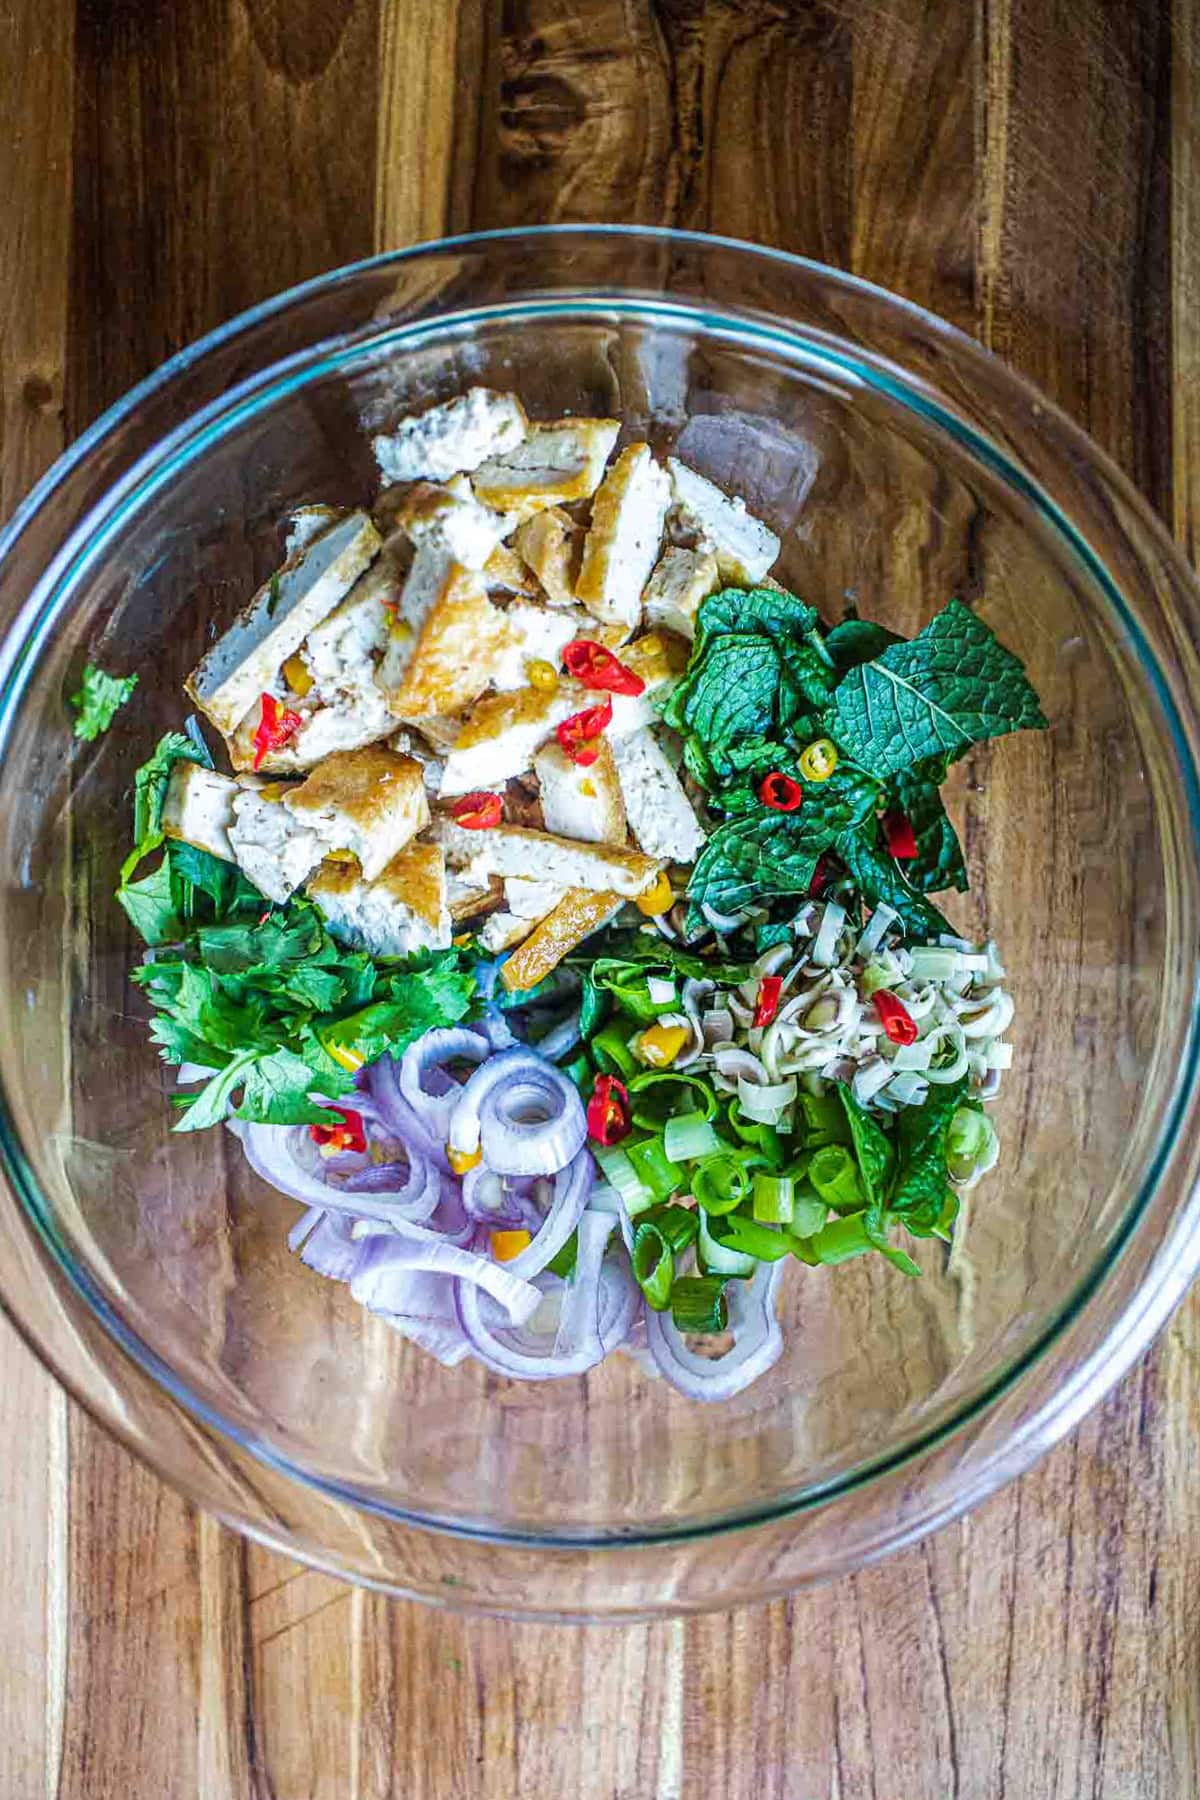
{"x": 98, "y": 700}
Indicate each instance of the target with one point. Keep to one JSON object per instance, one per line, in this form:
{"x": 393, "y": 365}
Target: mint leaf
{"x": 872, "y": 1147}
{"x": 858, "y": 641}
{"x": 765, "y": 852}
{"x": 952, "y": 686}
{"x": 763, "y": 612}
{"x": 734, "y": 693}
{"x": 878, "y": 876}
{"x": 939, "y": 862}
{"x": 920, "y": 1180}
{"x": 98, "y": 701}
{"x": 751, "y": 858}
{"x": 149, "y": 905}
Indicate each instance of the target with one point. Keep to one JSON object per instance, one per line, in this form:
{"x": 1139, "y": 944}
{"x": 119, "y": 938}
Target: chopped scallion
{"x": 736, "y": 1232}
{"x": 653, "y": 1265}
{"x": 774, "y": 1199}
{"x": 678, "y": 1224}
{"x": 698, "y": 1304}
{"x": 721, "y": 1182}
{"x": 834, "y": 1173}
{"x": 611, "y": 1053}
{"x": 621, "y": 1174}
{"x": 688, "y": 1137}
{"x": 655, "y": 1172}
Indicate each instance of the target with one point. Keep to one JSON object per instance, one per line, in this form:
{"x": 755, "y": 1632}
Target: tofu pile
{"x": 418, "y": 651}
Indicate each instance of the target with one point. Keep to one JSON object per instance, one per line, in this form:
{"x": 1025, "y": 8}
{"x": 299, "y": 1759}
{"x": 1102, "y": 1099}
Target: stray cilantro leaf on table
{"x": 98, "y": 700}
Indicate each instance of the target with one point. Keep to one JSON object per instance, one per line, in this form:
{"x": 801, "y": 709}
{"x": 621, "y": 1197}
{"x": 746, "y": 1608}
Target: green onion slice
{"x": 698, "y": 1304}
{"x": 653, "y": 1265}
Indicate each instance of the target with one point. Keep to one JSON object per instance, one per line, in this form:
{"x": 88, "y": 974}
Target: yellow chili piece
{"x": 542, "y": 675}
{"x": 656, "y": 899}
{"x": 818, "y": 762}
{"x": 661, "y": 1044}
{"x": 343, "y": 1055}
{"x": 462, "y": 1160}
{"x": 508, "y": 1244}
{"x": 295, "y": 673}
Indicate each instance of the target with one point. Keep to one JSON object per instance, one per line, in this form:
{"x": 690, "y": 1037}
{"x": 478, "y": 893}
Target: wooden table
{"x": 1031, "y": 170}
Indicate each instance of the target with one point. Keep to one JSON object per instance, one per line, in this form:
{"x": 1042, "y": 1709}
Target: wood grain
{"x": 1029, "y": 168}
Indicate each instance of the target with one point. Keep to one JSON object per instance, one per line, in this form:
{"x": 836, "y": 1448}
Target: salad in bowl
{"x": 543, "y": 896}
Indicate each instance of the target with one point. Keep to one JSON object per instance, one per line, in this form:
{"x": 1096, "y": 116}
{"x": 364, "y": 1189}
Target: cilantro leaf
{"x": 98, "y": 701}
{"x": 276, "y": 1091}
{"x": 950, "y": 687}
{"x": 920, "y": 1180}
{"x": 211, "y": 1104}
{"x": 150, "y": 907}
{"x": 939, "y": 862}
{"x": 878, "y": 876}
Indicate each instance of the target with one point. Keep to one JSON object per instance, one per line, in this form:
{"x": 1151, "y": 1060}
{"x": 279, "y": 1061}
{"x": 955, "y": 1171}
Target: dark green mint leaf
{"x": 920, "y": 1179}
{"x": 939, "y": 862}
{"x": 873, "y": 1149}
{"x": 878, "y": 876}
{"x": 950, "y": 687}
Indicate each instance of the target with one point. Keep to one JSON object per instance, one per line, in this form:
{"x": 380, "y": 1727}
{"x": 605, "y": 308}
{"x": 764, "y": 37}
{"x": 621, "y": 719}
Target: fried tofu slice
{"x": 402, "y": 910}
{"x": 576, "y": 916}
{"x": 468, "y": 899}
{"x": 659, "y": 812}
{"x": 680, "y": 580}
{"x": 198, "y": 808}
{"x": 454, "y": 437}
{"x": 621, "y": 548}
{"x": 273, "y": 850}
{"x": 536, "y": 634}
{"x": 330, "y": 682}
{"x": 450, "y": 520}
{"x": 242, "y": 664}
{"x": 499, "y": 735}
{"x": 551, "y": 543}
{"x": 444, "y": 641}
{"x": 555, "y": 464}
{"x": 516, "y": 850}
{"x": 505, "y": 573}
{"x": 744, "y": 547}
{"x": 368, "y": 802}
{"x": 660, "y": 659}
{"x": 578, "y": 802}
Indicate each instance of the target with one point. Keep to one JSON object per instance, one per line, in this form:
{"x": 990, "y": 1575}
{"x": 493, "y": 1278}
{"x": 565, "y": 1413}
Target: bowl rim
{"x": 1149, "y": 1305}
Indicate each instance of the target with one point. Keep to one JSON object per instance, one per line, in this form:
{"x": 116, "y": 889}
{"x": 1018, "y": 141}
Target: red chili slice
{"x": 820, "y": 878}
{"x": 780, "y": 792}
{"x": 478, "y": 812}
{"x": 597, "y": 667}
{"x": 898, "y": 1023}
{"x": 608, "y": 1118}
{"x": 275, "y": 726}
{"x": 769, "y": 989}
{"x": 899, "y": 836}
{"x": 349, "y": 1134}
{"x": 580, "y": 735}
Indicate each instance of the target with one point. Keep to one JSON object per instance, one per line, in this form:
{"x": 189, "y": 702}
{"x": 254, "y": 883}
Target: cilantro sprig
{"x": 261, "y": 995}
{"x": 764, "y": 679}
{"x": 97, "y": 701}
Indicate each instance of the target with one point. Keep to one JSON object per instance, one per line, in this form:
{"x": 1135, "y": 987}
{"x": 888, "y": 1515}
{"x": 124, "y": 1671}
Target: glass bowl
{"x": 901, "y": 465}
